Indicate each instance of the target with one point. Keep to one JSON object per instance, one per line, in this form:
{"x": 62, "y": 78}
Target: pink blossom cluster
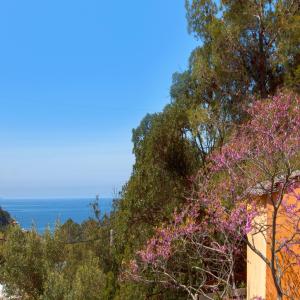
{"x": 273, "y": 128}
{"x": 160, "y": 246}
{"x": 197, "y": 221}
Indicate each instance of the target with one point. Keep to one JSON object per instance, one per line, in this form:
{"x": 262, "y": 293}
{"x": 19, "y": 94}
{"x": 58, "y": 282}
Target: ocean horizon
{"x": 46, "y": 212}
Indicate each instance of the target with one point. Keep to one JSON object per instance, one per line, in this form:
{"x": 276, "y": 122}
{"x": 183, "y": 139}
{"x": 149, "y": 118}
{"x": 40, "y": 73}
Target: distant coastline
{"x": 43, "y": 213}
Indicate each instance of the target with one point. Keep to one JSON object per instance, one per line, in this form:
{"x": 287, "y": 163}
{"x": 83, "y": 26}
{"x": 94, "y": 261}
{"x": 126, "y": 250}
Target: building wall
{"x": 285, "y": 229}
{"x": 259, "y": 277}
{"x": 256, "y": 267}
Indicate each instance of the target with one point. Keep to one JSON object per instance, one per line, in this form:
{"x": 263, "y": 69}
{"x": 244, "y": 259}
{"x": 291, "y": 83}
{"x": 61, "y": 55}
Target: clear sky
{"x": 75, "y": 78}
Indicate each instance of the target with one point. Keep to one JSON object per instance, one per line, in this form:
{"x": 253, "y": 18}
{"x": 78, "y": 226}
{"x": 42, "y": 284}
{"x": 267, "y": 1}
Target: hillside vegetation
{"x": 248, "y": 52}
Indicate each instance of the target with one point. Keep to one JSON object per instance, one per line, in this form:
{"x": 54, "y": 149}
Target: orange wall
{"x": 291, "y": 278}
{"x": 256, "y": 267}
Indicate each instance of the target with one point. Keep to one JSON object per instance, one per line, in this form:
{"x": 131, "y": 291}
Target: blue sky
{"x": 75, "y": 78}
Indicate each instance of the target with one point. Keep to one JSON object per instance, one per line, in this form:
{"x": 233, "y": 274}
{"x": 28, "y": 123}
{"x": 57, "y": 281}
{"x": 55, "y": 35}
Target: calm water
{"x": 44, "y": 212}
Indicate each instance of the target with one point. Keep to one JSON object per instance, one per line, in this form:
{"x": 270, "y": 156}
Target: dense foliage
{"x": 5, "y": 219}
{"x": 247, "y": 50}
{"x": 68, "y": 264}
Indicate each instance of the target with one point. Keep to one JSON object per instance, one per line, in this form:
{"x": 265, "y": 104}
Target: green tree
{"x": 164, "y": 161}
{"x": 247, "y": 46}
{"x": 23, "y": 268}
{"x": 56, "y": 287}
{"x": 89, "y": 281}
{"x": 5, "y": 219}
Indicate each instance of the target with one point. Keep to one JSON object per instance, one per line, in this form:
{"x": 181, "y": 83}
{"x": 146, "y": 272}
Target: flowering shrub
{"x": 207, "y": 237}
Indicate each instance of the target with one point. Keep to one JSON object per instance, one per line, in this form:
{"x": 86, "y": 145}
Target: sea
{"x": 44, "y": 213}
